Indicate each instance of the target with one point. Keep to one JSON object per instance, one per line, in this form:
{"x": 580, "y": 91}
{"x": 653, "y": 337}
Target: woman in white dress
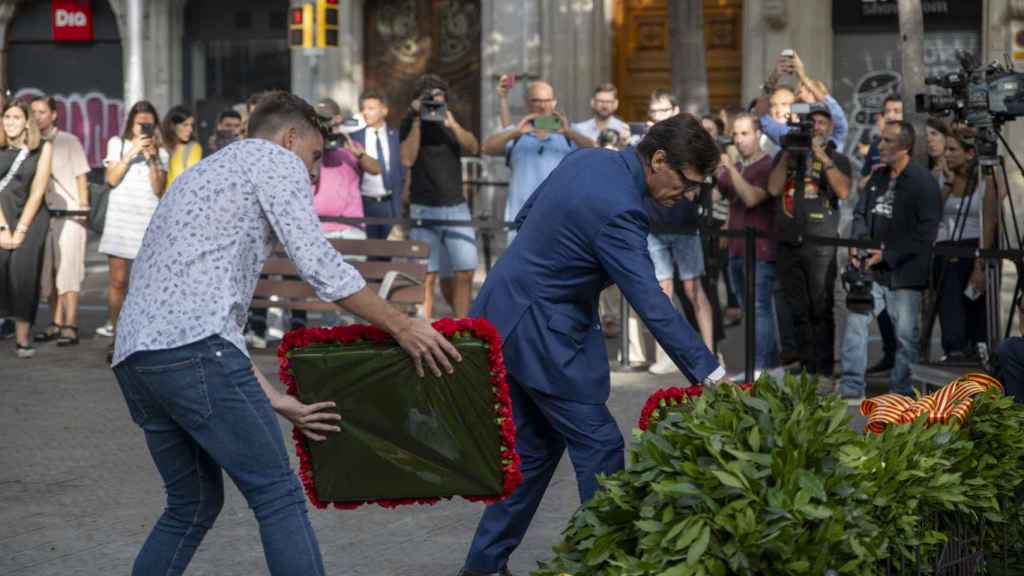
{"x": 136, "y": 170}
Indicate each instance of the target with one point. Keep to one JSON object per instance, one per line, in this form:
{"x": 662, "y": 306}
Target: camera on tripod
{"x": 858, "y": 284}
{"x": 981, "y": 96}
{"x": 800, "y": 138}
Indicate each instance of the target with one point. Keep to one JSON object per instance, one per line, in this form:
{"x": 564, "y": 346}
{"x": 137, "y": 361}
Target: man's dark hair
{"x": 429, "y": 82}
{"x": 892, "y": 98}
{"x": 907, "y": 135}
{"x": 254, "y": 100}
{"x": 51, "y": 102}
{"x": 278, "y": 110}
{"x": 228, "y": 113}
{"x": 372, "y": 95}
{"x": 663, "y": 94}
{"x": 684, "y": 141}
{"x": 606, "y": 87}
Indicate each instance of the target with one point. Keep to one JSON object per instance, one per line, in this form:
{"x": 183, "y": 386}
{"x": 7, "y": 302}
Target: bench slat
{"x": 369, "y": 270}
{"x": 290, "y": 290}
{"x": 376, "y": 248}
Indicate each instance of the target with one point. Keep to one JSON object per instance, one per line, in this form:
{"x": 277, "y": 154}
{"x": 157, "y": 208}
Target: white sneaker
{"x": 24, "y": 351}
{"x": 106, "y": 330}
{"x": 662, "y": 367}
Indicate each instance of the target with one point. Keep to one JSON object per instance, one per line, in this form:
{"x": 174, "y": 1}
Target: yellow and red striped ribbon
{"x": 952, "y": 401}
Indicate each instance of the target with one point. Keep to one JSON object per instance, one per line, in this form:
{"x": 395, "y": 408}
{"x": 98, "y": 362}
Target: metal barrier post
{"x": 625, "y": 364}
{"x": 749, "y": 302}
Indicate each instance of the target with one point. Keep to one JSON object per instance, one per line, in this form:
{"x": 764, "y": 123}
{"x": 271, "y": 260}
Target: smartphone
{"x": 972, "y": 293}
{"x": 509, "y": 80}
{"x": 147, "y": 129}
{"x": 547, "y": 123}
{"x": 787, "y": 53}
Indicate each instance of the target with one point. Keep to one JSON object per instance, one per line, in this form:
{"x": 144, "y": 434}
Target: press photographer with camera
{"x": 809, "y": 91}
{"x": 809, "y": 178}
{"x": 432, "y": 144}
{"x": 533, "y": 147}
{"x": 901, "y": 207}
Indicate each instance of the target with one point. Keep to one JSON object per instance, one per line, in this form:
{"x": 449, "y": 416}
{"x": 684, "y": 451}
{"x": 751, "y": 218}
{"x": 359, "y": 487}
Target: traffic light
{"x": 327, "y": 21}
{"x": 300, "y": 25}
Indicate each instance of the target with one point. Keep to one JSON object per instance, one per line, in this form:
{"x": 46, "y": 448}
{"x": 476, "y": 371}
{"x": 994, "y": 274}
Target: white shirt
{"x": 373, "y": 184}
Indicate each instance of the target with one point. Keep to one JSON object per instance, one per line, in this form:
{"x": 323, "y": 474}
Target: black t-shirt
{"x": 812, "y": 209}
{"x": 437, "y": 172}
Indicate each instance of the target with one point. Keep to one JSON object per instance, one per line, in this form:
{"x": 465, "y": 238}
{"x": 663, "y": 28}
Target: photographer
{"x": 432, "y": 145}
{"x": 901, "y": 207}
{"x": 533, "y": 147}
{"x": 229, "y": 129}
{"x": 343, "y": 165}
{"x": 809, "y": 178}
{"x": 810, "y": 91}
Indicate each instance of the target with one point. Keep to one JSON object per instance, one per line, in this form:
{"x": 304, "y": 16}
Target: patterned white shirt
{"x": 196, "y": 272}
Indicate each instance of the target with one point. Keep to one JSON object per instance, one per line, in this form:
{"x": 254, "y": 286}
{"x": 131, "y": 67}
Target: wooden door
{"x": 407, "y": 38}
{"x": 643, "y": 56}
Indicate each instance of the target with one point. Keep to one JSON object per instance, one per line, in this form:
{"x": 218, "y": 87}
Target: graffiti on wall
{"x": 93, "y": 117}
{"x": 867, "y": 78}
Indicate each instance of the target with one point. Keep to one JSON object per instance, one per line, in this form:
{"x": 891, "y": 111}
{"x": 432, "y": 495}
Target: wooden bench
{"x": 398, "y": 280}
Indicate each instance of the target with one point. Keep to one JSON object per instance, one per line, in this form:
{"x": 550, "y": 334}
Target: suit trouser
{"x": 384, "y": 208}
{"x": 545, "y": 427}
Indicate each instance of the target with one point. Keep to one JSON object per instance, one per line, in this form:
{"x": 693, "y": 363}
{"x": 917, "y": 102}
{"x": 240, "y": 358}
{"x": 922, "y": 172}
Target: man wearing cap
{"x": 809, "y": 185}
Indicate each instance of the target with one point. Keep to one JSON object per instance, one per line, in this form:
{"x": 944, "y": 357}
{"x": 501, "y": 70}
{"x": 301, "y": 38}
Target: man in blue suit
{"x": 382, "y": 193}
{"x": 584, "y": 228}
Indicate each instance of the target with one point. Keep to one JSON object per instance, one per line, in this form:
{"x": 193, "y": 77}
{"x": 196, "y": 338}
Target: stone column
{"x": 134, "y": 77}
{"x": 574, "y": 36}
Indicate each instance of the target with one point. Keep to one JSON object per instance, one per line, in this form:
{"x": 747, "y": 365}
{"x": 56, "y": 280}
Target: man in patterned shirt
{"x": 180, "y": 357}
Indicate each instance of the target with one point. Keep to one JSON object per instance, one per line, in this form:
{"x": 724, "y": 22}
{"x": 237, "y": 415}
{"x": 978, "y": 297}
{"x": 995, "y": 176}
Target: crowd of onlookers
{"x": 776, "y": 176}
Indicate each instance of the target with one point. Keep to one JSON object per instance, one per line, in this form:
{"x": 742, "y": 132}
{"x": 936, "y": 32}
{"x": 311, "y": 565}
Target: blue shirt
{"x": 532, "y": 159}
{"x": 774, "y": 129}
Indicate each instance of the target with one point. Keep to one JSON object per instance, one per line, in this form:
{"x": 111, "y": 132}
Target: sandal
{"x": 51, "y": 333}
{"x": 24, "y": 352}
{"x": 65, "y": 340}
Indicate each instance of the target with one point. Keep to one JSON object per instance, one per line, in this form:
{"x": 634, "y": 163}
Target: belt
{"x": 378, "y": 198}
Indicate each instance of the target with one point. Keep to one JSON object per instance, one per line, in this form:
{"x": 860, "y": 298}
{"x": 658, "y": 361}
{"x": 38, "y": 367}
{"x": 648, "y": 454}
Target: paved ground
{"x": 79, "y": 491}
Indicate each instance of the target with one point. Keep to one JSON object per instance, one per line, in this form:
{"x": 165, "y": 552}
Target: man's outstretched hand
{"x": 427, "y": 346}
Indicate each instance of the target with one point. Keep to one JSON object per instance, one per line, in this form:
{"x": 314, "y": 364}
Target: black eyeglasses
{"x": 690, "y": 185}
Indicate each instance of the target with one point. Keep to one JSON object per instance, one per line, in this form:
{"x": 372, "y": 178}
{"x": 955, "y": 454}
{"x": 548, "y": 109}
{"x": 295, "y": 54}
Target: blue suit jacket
{"x": 584, "y": 228}
{"x": 394, "y": 176}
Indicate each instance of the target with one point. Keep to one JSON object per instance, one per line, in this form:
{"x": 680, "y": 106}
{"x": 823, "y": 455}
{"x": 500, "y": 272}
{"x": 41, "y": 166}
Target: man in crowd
{"x": 604, "y": 103}
{"x": 531, "y": 152}
{"x": 745, "y": 182}
{"x": 810, "y": 91}
{"x": 675, "y": 248}
{"x": 64, "y": 259}
{"x": 229, "y": 129}
{"x": 381, "y": 193}
{"x": 809, "y": 185}
{"x": 900, "y": 206}
{"x": 584, "y": 226}
{"x": 180, "y": 358}
{"x": 432, "y": 148}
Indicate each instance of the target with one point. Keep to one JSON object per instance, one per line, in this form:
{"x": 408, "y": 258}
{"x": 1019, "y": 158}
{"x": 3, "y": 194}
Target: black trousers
{"x": 808, "y": 275}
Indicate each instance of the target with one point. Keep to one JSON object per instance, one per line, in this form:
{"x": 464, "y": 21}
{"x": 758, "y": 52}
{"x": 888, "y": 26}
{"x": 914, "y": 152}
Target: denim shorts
{"x": 684, "y": 249}
{"x": 452, "y": 248}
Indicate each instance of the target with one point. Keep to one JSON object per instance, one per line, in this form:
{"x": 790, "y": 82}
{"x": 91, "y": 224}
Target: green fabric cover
{"x": 401, "y": 436}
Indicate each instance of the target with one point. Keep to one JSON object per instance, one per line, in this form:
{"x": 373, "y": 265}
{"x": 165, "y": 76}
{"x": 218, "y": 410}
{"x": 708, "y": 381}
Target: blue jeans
{"x": 766, "y": 355}
{"x": 903, "y": 307}
{"x": 202, "y": 410}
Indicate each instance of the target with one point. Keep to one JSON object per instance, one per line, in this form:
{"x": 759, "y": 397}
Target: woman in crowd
{"x": 178, "y": 133}
{"x": 25, "y": 167}
{"x": 936, "y": 131}
{"x": 962, "y": 280}
{"x": 136, "y": 171}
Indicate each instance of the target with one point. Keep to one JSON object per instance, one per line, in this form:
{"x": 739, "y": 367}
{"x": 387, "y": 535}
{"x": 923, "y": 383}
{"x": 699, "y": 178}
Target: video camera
{"x": 858, "y": 284}
{"x": 800, "y": 139}
{"x": 332, "y": 139}
{"x": 431, "y": 110}
{"x": 982, "y": 96}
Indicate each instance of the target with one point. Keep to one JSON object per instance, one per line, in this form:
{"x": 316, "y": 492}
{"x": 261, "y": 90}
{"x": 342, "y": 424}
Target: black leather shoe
{"x": 884, "y": 365}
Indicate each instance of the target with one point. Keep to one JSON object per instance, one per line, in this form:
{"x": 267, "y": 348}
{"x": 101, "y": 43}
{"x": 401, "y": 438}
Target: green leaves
{"x": 776, "y": 482}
